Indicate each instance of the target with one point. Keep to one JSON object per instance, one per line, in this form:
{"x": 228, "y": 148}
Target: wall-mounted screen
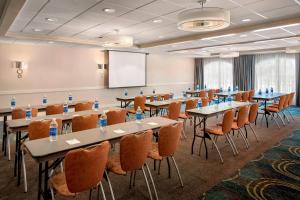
{"x": 126, "y": 69}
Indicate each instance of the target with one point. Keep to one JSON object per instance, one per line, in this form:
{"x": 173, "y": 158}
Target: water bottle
{"x": 70, "y": 98}
{"x": 103, "y": 120}
{"x": 199, "y": 104}
{"x": 96, "y": 104}
{"x": 139, "y": 114}
{"x": 198, "y": 87}
{"x": 125, "y": 92}
{"x": 189, "y": 89}
{"x": 229, "y": 98}
{"x": 205, "y": 87}
{"x": 66, "y": 107}
{"x": 259, "y": 92}
{"x": 45, "y": 100}
{"x": 184, "y": 94}
{"x": 153, "y": 91}
{"x": 141, "y": 92}
{"x": 267, "y": 91}
{"x": 28, "y": 112}
{"x": 13, "y": 102}
{"x": 272, "y": 90}
{"x": 229, "y": 89}
{"x": 53, "y": 130}
{"x": 236, "y": 88}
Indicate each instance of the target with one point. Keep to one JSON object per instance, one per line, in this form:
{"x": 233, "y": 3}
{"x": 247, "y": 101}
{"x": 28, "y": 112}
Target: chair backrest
{"x": 168, "y": 140}
{"x": 80, "y": 123}
{"x": 253, "y": 112}
{"x": 83, "y": 106}
{"x": 116, "y": 116}
{"x": 204, "y": 101}
{"x": 251, "y": 94}
{"x": 139, "y": 101}
{"x": 166, "y": 96}
{"x": 174, "y": 110}
{"x": 242, "y": 117}
{"x": 287, "y": 100}
{"x": 281, "y": 102}
{"x": 190, "y": 104}
{"x": 211, "y": 94}
{"x": 19, "y": 113}
{"x": 291, "y": 98}
{"x": 227, "y": 121}
{"x": 217, "y": 90}
{"x": 84, "y": 168}
{"x": 238, "y": 97}
{"x": 202, "y": 93}
{"x": 245, "y": 96}
{"x": 54, "y": 109}
{"x": 40, "y": 129}
{"x": 134, "y": 150}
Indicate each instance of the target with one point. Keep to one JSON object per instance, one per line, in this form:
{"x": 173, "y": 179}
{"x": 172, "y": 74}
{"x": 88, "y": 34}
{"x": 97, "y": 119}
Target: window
{"x": 218, "y": 72}
{"x": 277, "y": 71}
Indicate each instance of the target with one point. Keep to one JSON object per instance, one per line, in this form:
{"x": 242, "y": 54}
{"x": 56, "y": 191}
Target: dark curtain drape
{"x": 198, "y": 73}
{"x": 297, "y": 79}
{"x": 244, "y": 72}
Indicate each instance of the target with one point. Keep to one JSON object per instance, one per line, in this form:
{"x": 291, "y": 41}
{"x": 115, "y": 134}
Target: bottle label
{"x": 103, "y": 122}
{"x": 44, "y": 101}
{"x": 96, "y": 105}
{"x": 28, "y": 114}
{"x": 199, "y": 104}
{"x": 13, "y": 103}
{"x": 65, "y": 109}
{"x": 70, "y": 98}
{"x": 138, "y": 116}
{"x": 53, "y": 131}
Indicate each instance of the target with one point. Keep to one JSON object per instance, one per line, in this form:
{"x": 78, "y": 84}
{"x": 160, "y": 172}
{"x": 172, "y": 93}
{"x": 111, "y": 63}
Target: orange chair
{"x": 211, "y": 94}
{"x": 290, "y": 103}
{"x": 251, "y": 94}
{"x": 223, "y": 130}
{"x": 84, "y": 170}
{"x": 116, "y": 116}
{"x": 202, "y": 94}
{"x": 238, "y": 97}
{"x": 134, "y": 150}
{"x": 166, "y": 96}
{"x": 274, "y": 109}
{"x": 139, "y": 101}
{"x": 159, "y": 98}
{"x": 245, "y": 96}
{"x": 37, "y": 130}
{"x": 168, "y": 140}
{"x": 81, "y": 123}
{"x": 174, "y": 110}
{"x": 240, "y": 122}
{"x": 54, "y": 109}
{"x": 83, "y": 106}
{"x": 189, "y": 104}
{"x": 252, "y": 118}
{"x": 204, "y": 101}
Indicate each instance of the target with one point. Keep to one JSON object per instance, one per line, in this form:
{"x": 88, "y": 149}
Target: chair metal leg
{"x": 177, "y": 169}
{"x": 213, "y": 141}
{"x": 102, "y": 191}
{"x": 159, "y": 164}
{"x": 233, "y": 144}
{"x": 110, "y": 186}
{"x": 290, "y": 114}
{"x": 233, "y": 150}
{"x": 281, "y": 119}
{"x": 24, "y": 171}
{"x": 91, "y": 192}
{"x": 244, "y": 138}
{"x": 169, "y": 167}
{"x": 253, "y": 131}
{"x": 151, "y": 179}
{"x": 285, "y": 117}
{"x": 146, "y": 180}
{"x": 275, "y": 120}
{"x": 8, "y": 146}
{"x": 52, "y": 193}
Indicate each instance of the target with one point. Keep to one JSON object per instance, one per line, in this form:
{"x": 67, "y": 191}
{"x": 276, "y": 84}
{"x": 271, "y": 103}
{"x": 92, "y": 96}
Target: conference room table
{"x": 18, "y": 125}
{"x": 194, "y": 93}
{"x": 265, "y": 98}
{"x": 5, "y": 112}
{"x": 43, "y": 151}
{"x": 126, "y": 100}
{"x": 210, "y": 111}
{"x": 226, "y": 94}
{"x": 158, "y": 105}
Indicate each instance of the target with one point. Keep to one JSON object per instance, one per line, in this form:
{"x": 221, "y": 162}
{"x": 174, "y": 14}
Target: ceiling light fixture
{"x": 117, "y": 41}
{"x": 50, "y": 19}
{"x": 157, "y": 21}
{"x": 219, "y": 36}
{"x": 276, "y": 27}
{"x": 109, "y": 10}
{"x": 203, "y": 19}
{"x": 50, "y": 42}
{"x": 246, "y": 20}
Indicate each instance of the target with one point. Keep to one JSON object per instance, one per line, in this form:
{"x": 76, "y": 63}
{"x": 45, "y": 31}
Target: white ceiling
{"x": 85, "y": 19}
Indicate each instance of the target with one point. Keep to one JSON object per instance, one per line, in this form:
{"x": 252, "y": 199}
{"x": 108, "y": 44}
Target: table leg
{"x": 267, "y": 122}
{"x": 4, "y": 143}
{"x": 46, "y": 193}
{"x": 40, "y": 181}
{"x": 156, "y": 111}
{"x": 204, "y": 137}
{"x": 19, "y": 158}
{"x": 195, "y": 121}
{"x": 121, "y": 104}
{"x": 16, "y": 154}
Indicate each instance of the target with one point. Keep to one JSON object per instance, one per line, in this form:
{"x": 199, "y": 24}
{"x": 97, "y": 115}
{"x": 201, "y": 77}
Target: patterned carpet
{"x": 273, "y": 175}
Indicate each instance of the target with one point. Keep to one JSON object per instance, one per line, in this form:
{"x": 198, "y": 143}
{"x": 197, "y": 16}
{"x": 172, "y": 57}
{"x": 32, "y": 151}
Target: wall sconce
{"x": 20, "y": 68}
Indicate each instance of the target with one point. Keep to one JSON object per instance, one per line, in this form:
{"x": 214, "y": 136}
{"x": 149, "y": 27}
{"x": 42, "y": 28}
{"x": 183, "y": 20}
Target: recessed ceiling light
{"x": 109, "y": 10}
{"x": 157, "y": 21}
{"x": 246, "y": 20}
{"x": 244, "y": 35}
{"x": 37, "y": 30}
{"x": 51, "y": 19}
{"x": 50, "y": 42}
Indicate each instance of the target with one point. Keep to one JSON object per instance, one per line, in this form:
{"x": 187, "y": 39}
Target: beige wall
{"x": 56, "y": 71}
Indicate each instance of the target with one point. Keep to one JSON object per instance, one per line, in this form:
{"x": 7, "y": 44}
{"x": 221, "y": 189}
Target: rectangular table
{"x": 157, "y": 105}
{"x": 126, "y": 100}
{"x": 226, "y": 94}
{"x": 43, "y": 151}
{"x": 195, "y": 92}
{"x": 209, "y": 111}
{"x": 265, "y": 98}
{"x": 18, "y": 125}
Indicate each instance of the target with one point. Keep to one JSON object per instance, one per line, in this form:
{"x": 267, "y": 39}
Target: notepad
{"x": 76, "y": 115}
{"x": 152, "y": 123}
{"x": 119, "y": 131}
{"x": 105, "y": 111}
{"x": 72, "y": 141}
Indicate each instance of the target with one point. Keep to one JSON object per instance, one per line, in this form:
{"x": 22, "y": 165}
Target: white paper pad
{"x": 72, "y": 141}
{"x": 119, "y": 131}
{"x": 75, "y": 115}
{"x": 152, "y": 123}
{"x": 105, "y": 111}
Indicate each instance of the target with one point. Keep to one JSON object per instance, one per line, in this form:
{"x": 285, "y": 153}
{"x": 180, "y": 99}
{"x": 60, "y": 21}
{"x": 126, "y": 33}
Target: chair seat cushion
{"x": 59, "y": 183}
{"x": 183, "y": 116}
{"x": 114, "y": 165}
{"x": 154, "y": 154}
{"x": 216, "y": 130}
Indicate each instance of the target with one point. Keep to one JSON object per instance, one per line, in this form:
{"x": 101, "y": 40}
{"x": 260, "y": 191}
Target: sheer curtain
{"x": 277, "y": 71}
{"x": 218, "y": 72}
